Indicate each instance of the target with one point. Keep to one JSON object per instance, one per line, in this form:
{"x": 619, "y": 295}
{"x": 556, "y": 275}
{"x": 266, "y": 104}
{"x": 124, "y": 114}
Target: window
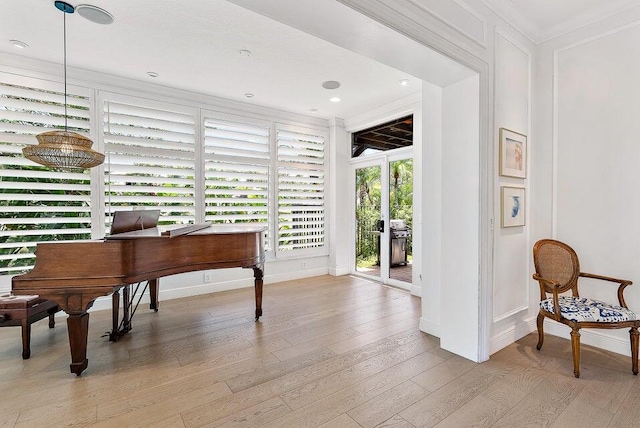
{"x": 39, "y": 204}
{"x": 149, "y": 158}
{"x": 301, "y": 186}
{"x": 192, "y": 164}
{"x": 237, "y": 162}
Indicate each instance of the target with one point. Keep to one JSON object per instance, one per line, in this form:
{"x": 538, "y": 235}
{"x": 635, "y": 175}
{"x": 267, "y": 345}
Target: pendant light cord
{"x": 64, "y": 20}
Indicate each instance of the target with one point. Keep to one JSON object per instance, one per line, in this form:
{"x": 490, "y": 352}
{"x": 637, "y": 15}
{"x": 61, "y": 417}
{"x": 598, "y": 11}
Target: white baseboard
{"x": 507, "y": 337}
{"x": 340, "y": 271}
{"x": 594, "y": 337}
{"x": 416, "y": 290}
{"x": 429, "y": 327}
{"x": 289, "y": 276}
{"x": 104, "y": 303}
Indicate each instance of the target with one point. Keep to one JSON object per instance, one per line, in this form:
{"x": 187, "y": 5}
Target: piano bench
{"x": 24, "y": 310}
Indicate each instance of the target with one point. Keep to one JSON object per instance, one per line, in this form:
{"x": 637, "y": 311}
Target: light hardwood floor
{"x": 328, "y": 352}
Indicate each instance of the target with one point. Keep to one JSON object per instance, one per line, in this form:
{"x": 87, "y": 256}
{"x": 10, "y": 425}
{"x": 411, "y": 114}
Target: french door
{"x": 382, "y": 198}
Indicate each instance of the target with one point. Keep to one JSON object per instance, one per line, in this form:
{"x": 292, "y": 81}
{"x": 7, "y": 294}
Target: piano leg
{"x": 126, "y": 310}
{"x": 258, "y": 274}
{"x": 153, "y": 294}
{"x": 78, "y": 328}
{"x": 115, "y": 316}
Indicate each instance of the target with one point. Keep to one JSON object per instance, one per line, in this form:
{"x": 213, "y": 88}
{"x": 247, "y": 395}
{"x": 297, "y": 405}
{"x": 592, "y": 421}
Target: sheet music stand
{"x": 128, "y": 221}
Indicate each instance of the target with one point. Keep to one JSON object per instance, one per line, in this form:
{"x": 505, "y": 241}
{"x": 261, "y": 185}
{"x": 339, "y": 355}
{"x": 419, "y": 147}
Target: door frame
{"x": 382, "y": 160}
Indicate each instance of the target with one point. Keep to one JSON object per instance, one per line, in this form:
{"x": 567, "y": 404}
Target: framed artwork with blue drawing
{"x": 513, "y": 154}
{"x": 513, "y": 206}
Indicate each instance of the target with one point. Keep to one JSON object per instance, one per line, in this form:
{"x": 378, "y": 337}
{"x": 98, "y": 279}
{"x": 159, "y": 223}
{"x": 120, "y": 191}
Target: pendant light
{"x": 63, "y": 149}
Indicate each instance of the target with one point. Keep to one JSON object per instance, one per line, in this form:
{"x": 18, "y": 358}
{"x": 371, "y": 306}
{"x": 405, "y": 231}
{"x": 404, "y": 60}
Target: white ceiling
{"x": 542, "y": 20}
{"x": 194, "y": 45}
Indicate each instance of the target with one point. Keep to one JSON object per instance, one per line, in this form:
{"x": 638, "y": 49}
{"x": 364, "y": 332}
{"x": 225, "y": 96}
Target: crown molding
{"x": 538, "y": 34}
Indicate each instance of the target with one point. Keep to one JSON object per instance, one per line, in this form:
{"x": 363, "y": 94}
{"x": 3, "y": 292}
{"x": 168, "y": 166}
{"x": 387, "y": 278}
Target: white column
{"x": 338, "y": 198}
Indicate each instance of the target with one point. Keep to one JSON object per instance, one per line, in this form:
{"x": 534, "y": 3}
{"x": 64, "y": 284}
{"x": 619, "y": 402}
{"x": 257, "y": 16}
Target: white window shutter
{"x": 301, "y": 188}
{"x": 37, "y": 203}
{"x": 150, "y": 158}
{"x": 237, "y": 160}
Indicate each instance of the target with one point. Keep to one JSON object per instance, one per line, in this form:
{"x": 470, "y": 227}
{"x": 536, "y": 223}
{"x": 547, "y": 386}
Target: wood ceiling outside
{"x": 387, "y": 136}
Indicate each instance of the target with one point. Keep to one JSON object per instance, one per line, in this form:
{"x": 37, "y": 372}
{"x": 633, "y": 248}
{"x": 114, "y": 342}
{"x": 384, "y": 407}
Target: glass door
{"x": 400, "y": 221}
{"x": 369, "y": 220}
{"x": 383, "y": 211}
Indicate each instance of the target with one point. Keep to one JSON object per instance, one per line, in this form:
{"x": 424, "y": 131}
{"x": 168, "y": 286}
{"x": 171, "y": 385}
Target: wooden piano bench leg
{"x": 26, "y": 338}
{"x": 25, "y": 316}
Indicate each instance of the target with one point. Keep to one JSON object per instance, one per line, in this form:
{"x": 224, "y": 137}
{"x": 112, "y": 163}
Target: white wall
{"x": 511, "y": 304}
{"x": 431, "y": 208}
{"x": 460, "y": 237}
{"x": 586, "y": 181}
{"x": 338, "y": 198}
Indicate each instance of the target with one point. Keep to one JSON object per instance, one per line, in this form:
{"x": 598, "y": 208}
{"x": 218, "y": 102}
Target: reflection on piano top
{"x": 192, "y": 229}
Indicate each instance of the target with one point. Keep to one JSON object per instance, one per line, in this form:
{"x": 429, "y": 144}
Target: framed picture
{"x": 513, "y": 206}
{"x": 513, "y": 154}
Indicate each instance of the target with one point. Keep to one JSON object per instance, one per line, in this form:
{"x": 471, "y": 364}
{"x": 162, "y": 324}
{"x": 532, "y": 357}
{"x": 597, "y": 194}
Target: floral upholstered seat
{"x": 582, "y": 309}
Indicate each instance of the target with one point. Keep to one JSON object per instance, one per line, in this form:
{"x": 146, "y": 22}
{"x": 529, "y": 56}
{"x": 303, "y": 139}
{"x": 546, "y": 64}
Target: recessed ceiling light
{"x": 18, "y": 44}
{"x": 335, "y": 99}
{"x": 94, "y": 14}
{"x": 244, "y": 53}
{"x": 152, "y": 74}
{"x": 331, "y": 84}
{"x": 249, "y": 95}
{"x": 313, "y": 110}
{"x": 404, "y": 82}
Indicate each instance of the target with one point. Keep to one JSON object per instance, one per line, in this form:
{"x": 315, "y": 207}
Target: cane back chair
{"x": 557, "y": 271}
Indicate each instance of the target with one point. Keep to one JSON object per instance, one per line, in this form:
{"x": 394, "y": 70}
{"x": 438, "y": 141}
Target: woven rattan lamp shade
{"x": 63, "y": 149}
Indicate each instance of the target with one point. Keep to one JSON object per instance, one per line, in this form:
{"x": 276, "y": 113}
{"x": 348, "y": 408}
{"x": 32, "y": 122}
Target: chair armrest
{"x": 549, "y": 286}
{"x": 623, "y": 284}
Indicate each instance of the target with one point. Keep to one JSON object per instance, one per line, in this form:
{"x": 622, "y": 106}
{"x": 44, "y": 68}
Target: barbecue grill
{"x": 399, "y": 233}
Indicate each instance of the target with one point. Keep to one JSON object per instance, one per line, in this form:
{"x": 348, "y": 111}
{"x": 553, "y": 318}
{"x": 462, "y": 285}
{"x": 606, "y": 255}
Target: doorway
{"x": 383, "y": 218}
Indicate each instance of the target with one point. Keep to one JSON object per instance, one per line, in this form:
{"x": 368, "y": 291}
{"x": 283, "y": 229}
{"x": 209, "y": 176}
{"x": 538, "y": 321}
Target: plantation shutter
{"x": 236, "y": 169}
{"x": 38, "y": 203}
{"x": 301, "y": 188}
{"x": 150, "y": 158}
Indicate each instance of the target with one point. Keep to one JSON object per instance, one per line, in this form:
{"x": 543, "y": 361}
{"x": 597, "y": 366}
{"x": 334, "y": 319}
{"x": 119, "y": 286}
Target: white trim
{"x": 593, "y": 337}
{"x": 512, "y": 312}
{"x": 428, "y": 327}
{"x": 394, "y": 110}
{"x": 416, "y": 290}
{"x": 510, "y": 335}
{"x": 482, "y": 43}
{"x": 339, "y": 271}
{"x": 526, "y": 28}
{"x": 585, "y": 20}
{"x": 104, "y": 303}
{"x": 588, "y": 336}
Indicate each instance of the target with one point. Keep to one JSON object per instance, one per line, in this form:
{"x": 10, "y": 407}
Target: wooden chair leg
{"x": 52, "y": 320}
{"x": 540, "y": 331}
{"x": 26, "y": 339}
{"x": 575, "y": 349}
{"x": 634, "y": 349}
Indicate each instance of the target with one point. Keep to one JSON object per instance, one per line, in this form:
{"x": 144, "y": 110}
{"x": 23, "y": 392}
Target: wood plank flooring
{"x": 329, "y": 352}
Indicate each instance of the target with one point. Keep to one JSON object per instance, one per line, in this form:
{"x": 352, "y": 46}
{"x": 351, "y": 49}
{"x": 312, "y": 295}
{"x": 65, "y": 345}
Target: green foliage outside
{"x": 368, "y": 202}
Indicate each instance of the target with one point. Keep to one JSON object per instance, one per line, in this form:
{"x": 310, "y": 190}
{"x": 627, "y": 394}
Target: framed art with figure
{"x": 512, "y": 206}
{"x": 513, "y": 154}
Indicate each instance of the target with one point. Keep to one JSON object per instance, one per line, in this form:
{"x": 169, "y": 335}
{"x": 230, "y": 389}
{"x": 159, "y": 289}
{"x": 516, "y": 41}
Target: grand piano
{"x": 74, "y": 274}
